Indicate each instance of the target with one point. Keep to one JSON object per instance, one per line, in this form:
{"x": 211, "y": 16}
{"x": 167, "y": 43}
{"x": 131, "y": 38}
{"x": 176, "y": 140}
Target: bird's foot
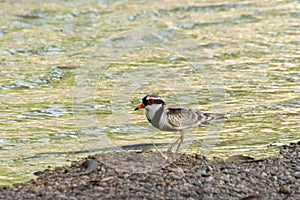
{"x": 169, "y": 151}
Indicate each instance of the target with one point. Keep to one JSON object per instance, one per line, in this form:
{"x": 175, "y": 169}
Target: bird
{"x": 167, "y": 117}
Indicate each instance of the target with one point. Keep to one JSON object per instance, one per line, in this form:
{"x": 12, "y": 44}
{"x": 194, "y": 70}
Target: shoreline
{"x": 148, "y": 175}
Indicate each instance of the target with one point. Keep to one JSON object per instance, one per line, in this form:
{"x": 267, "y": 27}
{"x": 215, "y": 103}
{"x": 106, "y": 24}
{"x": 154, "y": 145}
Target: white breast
{"x": 156, "y": 115}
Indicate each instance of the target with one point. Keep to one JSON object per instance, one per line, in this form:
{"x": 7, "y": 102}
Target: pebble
{"x": 188, "y": 177}
{"x": 209, "y": 179}
{"x": 284, "y": 190}
{"x": 297, "y": 174}
{"x": 264, "y": 174}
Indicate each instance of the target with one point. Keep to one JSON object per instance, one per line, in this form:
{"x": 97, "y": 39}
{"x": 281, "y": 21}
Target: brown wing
{"x": 182, "y": 117}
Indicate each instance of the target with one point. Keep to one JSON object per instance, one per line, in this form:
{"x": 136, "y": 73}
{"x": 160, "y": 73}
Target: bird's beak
{"x": 140, "y": 107}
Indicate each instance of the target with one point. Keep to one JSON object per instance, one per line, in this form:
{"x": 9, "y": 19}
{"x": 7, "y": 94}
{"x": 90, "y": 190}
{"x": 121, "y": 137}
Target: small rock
{"x": 284, "y": 189}
{"x": 247, "y": 170}
{"x": 209, "y": 179}
{"x": 178, "y": 171}
{"x": 297, "y": 168}
{"x": 253, "y": 197}
{"x": 99, "y": 188}
{"x": 297, "y": 174}
{"x": 107, "y": 178}
{"x": 239, "y": 159}
{"x": 199, "y": 156}
{"x": 264, "y": 174}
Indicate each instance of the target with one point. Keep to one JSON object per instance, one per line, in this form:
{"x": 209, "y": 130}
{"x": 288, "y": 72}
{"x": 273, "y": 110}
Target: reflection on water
{"x": 245, "y": 52}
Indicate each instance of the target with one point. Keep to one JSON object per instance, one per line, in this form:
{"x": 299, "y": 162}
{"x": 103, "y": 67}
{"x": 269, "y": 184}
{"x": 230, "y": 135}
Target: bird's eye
{"x": 150, "y": 101}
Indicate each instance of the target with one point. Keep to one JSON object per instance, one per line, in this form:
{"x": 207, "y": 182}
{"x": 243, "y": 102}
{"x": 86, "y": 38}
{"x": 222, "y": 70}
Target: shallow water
{"x": 72, "y": 73}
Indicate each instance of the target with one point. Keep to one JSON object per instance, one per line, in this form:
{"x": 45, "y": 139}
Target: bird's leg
{"x": 171, "y": 147}
{"x": 180, "y": 140}
{"x": 161, "y": 153}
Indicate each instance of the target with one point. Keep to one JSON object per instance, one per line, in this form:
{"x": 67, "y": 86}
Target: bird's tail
{"x": 212, "y": 116}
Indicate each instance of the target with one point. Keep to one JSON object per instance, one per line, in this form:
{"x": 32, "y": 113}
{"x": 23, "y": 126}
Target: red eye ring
{"x": 150, "y": 101}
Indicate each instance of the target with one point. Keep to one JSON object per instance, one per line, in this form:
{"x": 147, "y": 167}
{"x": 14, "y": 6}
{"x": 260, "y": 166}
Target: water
{"x": 72, "y": 72}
